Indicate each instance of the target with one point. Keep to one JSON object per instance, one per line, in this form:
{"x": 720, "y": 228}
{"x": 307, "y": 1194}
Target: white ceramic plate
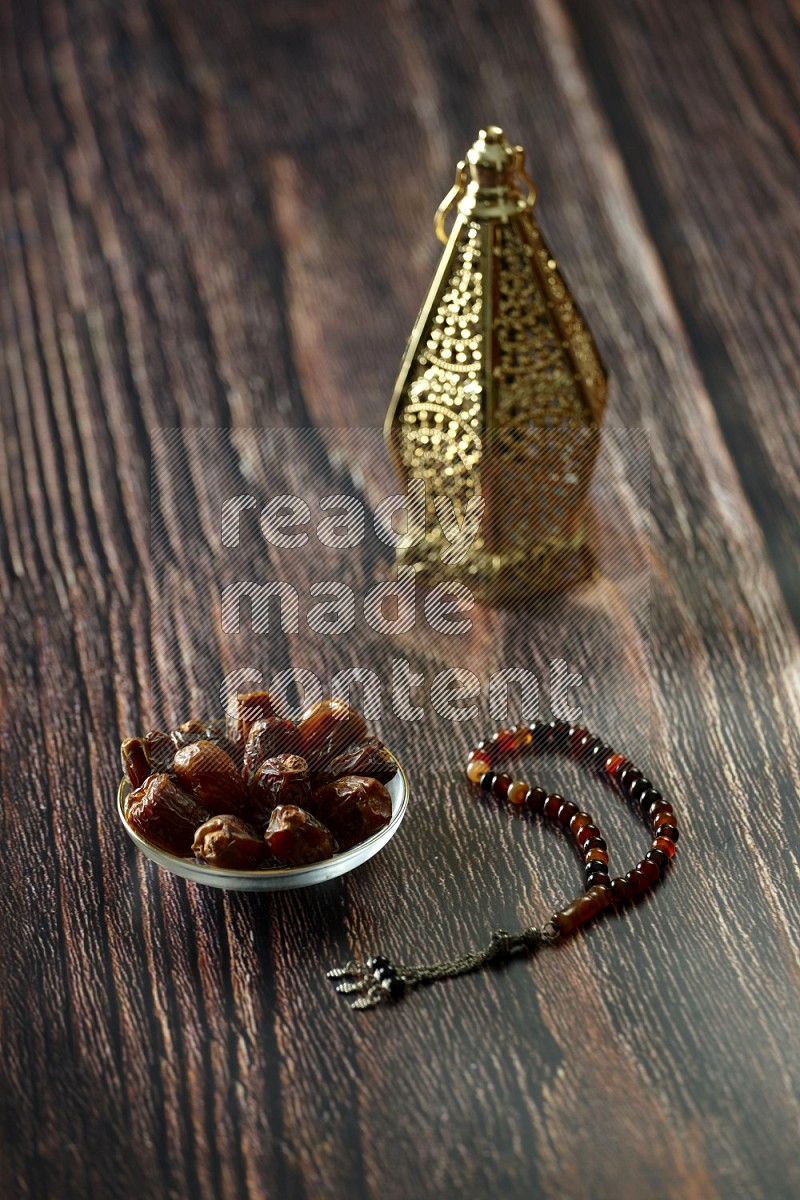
{"x": 281, "y": 879}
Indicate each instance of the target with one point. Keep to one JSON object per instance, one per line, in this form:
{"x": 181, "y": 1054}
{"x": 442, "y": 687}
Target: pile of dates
{"x": 253, "y": 791}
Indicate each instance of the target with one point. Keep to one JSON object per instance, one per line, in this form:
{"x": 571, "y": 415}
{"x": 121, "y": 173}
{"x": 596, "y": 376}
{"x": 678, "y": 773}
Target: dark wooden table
{"x": 216, "y": 217}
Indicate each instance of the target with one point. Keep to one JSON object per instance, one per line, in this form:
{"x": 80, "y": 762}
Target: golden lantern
{"x": 499, "y": 400}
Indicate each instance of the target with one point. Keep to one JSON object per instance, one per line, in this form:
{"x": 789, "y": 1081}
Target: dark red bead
{"x": 559, "y": 734}
{"x": 598, "y": 879}
{"x": 539, "y": 736}
{"x": 657, "y": 856}
{"x": 614, "y": 763}
{"x": 631, "y": 779}
{"x": 668, "y": 831}
{"x": 649, "y": 870}
{"x": 552, "y": 805}
{"x": 598, "y": 756}
{"x": 648, "y": 798}
{"x": 620, "y": 890}
{"x": 504, "y": 739}
{"x": 660, "y": 806}
{"x": 478, "y": 756}
{"x": 594, "y": 843}
{"x": 639, "y": 788}
{"x": 638, "y": 881}
{"x": 536, "y": 799}
{"x": 502, "y": 783}
{"x": 586, "y": 747}
{"x": 579, "y": 822}
{"x": 575, "y": 739}
{"x": 567, "y": 812}
{"x": 588, "y": 832}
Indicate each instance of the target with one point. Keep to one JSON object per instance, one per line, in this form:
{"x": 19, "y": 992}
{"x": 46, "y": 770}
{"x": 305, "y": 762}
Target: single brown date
{"x": 353, "y": 807}
{"x": 211, "y": 775}
{"x": 135, "y": 762}
{"x": 370, "y": 758}
{"x": 266, "y": 739}
{"x": 160, "y": 751}
{"x": 164, "y": 814}
{"x": 243, "y": 710}
{"x": 149, "y": 755}
{"x": 217, "y": 732}
{"x": 189, "y": 732}
{"x": 208, "y": 731}
{"x": 327, "y": 728}
{"x": 296, "y": 838}
{"x": 280, "y": 780}
{"x": 229, "y": 842}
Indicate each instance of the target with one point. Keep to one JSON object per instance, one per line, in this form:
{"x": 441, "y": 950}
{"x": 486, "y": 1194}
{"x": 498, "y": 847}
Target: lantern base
{"x": 500, "y": 580}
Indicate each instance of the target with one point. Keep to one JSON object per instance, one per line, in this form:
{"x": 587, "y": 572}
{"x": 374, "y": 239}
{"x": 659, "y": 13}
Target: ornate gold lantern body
{"x": 499, "y": 400}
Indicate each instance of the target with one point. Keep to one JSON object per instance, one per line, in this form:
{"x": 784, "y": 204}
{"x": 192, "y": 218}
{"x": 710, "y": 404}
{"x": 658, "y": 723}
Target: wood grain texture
{"x": 216, "y": 219}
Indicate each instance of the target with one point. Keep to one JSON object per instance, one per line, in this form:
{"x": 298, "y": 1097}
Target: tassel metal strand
{"x": 379, "y": 980}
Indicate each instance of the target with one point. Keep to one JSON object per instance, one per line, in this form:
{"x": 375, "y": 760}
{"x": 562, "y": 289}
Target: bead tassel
{"x": 378, "y": 979}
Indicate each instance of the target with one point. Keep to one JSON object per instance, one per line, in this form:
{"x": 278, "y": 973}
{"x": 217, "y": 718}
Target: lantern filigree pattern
{"x": 501, "y": 392}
